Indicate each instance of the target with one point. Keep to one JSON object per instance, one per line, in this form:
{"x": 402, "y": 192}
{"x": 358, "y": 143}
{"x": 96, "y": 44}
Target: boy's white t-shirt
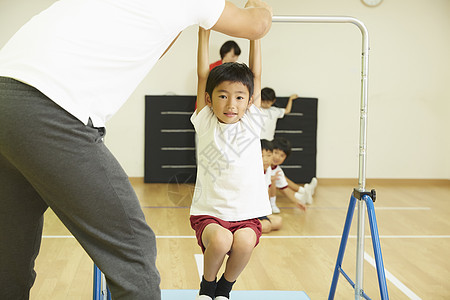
{"x": 230, "y": 184}
{"x": 281, "y": 181}
{"x": 268, "y": 176}
{"x": 88, "y": 56}
{"x": 272, "y": 115}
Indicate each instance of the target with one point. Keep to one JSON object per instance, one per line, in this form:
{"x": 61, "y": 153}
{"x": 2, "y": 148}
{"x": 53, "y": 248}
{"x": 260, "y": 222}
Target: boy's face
{"x": 278, "y": 157}
{"x": 230, "y": 57}
{"x": 229, "y": 101}
{"x": 267, "y": 158}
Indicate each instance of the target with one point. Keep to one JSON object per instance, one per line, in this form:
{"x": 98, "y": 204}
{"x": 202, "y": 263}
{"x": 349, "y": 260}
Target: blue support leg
{"x": 97, "y": 283}
{"x": 345, "y": 233}
{"x": 101, "y": 290}
{"x": 376, "y": 247}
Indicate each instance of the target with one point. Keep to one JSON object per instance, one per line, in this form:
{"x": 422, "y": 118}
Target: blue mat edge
{"x": 237, "y": 293}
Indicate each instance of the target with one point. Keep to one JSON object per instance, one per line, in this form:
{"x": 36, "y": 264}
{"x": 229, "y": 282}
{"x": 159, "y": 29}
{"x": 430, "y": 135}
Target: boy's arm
{"x": 255, "y": 65}
{"x": 251, "y": 22}
{"x": 202, "y": 67}
{"x": 289, "y": 104}
{"x": 272, "y": 189}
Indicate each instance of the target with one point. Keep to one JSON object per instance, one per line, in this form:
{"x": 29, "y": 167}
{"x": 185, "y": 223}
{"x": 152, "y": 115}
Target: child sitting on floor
{"x": 271, "y": 222}
{"x": 281, "y": 150}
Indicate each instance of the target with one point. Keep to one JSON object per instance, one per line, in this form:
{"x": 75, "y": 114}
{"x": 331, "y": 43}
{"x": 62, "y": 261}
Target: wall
{"x": 409, "y": 72}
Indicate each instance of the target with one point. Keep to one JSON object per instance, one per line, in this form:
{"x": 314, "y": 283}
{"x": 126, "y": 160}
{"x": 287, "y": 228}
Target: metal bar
{"x": 347, "y": 277}
{"x": 363, "y": 126}
{"x": 359, "y": 281}
{"x": 364, "y": 76}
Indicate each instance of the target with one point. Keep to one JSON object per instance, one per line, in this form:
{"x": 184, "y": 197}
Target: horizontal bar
{"x": 321, "y": 19}
{"x": 176, "y": 130}
{"x": 178, "y": 166}
{"x": 289, "y": 131}
{"x": 177, "y": 148}
{"x": 177, "y": 112}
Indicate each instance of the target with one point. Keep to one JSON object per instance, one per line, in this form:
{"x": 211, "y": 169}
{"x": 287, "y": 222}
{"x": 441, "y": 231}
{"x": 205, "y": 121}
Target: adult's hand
{"x": 251, "y": 22}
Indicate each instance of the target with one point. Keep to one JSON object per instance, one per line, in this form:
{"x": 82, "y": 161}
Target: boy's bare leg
{"x": 276, "y": 222}
{"x": 243, "y": 244}
{"x": 291, "y": 195}
{"x": 273, "y": 199}
{"x": 266, "y": 226}
{"x": 311, "y": 186}
{"x": 292, "y": 185}
{"x": 217, "y": 241}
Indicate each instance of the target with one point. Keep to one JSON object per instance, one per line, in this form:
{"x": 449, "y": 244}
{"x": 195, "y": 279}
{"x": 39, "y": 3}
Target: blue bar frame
{"x": 376, "y": 250}
{"x": 97, "y": 294}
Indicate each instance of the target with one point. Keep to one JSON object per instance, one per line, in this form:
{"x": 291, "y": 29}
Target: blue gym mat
{"x": 238, "y": 295}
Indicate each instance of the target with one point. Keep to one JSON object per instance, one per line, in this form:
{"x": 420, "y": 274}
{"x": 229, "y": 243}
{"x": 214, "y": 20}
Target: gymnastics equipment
{"x": 359, "y": 194}
{"x": 101, "y": 290}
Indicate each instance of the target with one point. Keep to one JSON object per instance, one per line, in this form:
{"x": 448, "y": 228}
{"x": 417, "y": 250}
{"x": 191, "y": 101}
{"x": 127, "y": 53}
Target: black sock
{"x": 224, "y": 287}
{"x": 207, "y": 287}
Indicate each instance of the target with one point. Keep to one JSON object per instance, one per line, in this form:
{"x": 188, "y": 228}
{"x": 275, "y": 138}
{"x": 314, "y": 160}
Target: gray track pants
{"x": 48, "y": 158}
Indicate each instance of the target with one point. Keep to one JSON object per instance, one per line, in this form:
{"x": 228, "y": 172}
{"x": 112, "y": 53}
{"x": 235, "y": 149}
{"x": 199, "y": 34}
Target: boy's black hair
{"x": 267, "y": 94}
{"x": 234, "y": 72}
{"x": 282, "y": 144}
{"x": 227, "y": 46}
{"x": 266, "y": 145}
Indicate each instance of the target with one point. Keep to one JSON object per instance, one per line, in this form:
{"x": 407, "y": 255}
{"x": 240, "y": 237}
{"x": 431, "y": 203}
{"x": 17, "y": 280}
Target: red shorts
{"x": 198, "y": 223}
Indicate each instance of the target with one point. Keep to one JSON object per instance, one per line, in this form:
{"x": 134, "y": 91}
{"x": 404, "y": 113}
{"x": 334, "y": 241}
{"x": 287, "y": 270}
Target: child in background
{"x": 230, "y": 192}
{"x": 299, "y": 198}
{"x": 281, "y": 150}
{"x": 271, "y": 222}
{"x": 272, "y": 113}
{"x": 229, "y": 52}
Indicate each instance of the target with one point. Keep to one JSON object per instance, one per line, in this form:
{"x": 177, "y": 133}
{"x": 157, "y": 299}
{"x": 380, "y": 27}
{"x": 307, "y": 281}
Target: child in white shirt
{"x": 230, "y": 192}
{"x": 281, "y": 150}
{"x": 272, "y": 113}
{"x": 271, "y": 222}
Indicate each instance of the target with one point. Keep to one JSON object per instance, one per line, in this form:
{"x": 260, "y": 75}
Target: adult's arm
{"x": 251, "y": 22}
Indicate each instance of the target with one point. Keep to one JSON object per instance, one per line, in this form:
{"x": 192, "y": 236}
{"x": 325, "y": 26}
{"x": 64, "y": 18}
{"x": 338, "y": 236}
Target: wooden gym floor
{"x": 412, "y": 218}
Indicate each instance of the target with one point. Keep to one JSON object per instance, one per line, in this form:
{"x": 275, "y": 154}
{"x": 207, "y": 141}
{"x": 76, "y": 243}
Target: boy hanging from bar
{"x": 230, "y": 192}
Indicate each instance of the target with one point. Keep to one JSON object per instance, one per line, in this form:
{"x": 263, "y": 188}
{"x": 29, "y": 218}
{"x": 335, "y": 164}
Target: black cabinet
{"x": 169, "y": 139}
{"x": 300, "y": 128}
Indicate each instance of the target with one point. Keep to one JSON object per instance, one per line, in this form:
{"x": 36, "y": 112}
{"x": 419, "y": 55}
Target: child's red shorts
{"x": 198, "y": 223}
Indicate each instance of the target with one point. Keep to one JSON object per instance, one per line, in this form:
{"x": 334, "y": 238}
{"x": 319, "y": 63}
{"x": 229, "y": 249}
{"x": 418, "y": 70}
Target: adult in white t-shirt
{"x": 62, "y": 76}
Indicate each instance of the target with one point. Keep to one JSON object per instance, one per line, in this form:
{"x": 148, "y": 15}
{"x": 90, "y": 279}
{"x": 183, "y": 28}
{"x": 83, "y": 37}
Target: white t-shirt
{"x": 88, "y": 56}
{"x": 230, "y": 184}
{"x": 268, "y": 176}
{"x": 272, "y": 115}
{"x": 281, "y": 182}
